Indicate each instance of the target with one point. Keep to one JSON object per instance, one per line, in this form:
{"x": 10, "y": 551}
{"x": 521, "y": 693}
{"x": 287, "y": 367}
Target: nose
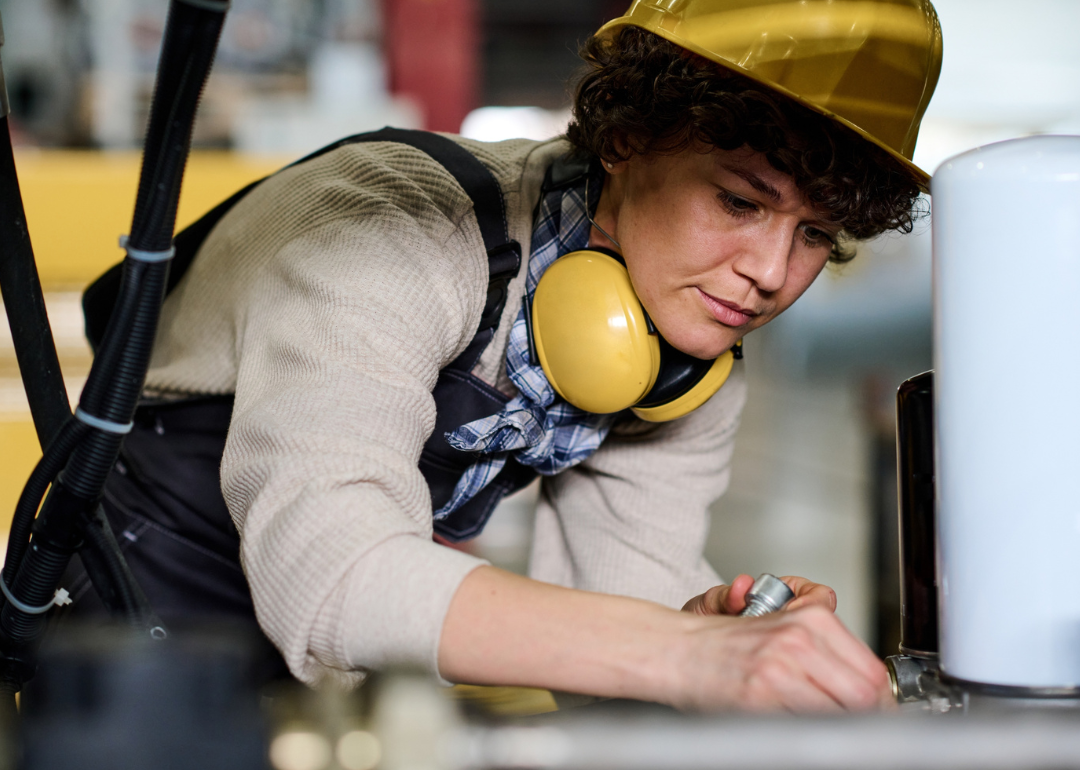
{"x": 764, "y": 258}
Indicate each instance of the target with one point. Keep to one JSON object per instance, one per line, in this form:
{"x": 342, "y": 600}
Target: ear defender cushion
{"x": 593, "y": 339}
{"x": 591, "y": 333}
{"x": 684, "y": 384}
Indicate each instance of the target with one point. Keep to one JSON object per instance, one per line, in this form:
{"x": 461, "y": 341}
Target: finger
{"x": 802, "y": 696}
{"x": 734, "y": 599}
{"x": 841, "y": 665}
{"x": 708, "y": 603}
{"x": 845, "y": 686}
{"x": 784, "y": 685}
{"x": 854, "y": 651}
{"x": 887, "y": 700}
{"x": 808, "y": 593}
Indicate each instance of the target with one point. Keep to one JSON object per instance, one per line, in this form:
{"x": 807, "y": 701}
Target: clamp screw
{"x": 768, "y": 594}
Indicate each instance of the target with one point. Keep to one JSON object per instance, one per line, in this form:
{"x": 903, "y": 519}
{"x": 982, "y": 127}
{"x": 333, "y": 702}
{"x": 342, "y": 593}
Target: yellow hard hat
{"x": 871, "y": 65}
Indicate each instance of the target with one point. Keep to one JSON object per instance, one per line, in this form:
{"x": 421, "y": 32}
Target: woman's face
{"x": 717, "y": 244}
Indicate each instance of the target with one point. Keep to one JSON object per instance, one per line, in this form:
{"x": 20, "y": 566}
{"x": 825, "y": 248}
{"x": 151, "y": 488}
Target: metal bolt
{"x": 768, "y": 594}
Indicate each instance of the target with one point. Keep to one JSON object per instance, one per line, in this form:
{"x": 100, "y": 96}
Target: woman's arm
{"x": 633, "y": 519}
{"x": 509, "y": 630}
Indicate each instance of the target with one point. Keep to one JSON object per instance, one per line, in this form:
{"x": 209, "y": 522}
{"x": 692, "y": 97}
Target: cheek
{"x": 678, "y": 233}
{"x": 803, "y": 272}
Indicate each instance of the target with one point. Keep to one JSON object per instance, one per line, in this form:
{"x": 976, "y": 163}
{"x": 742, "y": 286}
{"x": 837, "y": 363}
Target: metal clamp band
{"x": 108, "y": 426}
{"x": 60, "y": 598}
{"x": 141, "y": 255}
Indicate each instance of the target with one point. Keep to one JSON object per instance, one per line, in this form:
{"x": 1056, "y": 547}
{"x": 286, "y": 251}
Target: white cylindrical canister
{"x": 1006, "y": 233}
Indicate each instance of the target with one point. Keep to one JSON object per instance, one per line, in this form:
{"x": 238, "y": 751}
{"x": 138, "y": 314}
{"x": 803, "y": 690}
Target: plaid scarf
{"x": 537, "y": 426}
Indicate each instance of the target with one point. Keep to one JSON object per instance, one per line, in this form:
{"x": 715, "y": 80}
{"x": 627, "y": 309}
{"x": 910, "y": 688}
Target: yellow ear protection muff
{"x": 600, "y": 350}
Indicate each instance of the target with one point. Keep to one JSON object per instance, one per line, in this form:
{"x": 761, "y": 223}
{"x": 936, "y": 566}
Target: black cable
{"x": 113, "y": 388}
{"x": 111, "y": 576}
{"x": 25, "y": 305}
{"x": 9, "y": 711}
{"x": 113, "y": 394}
{"x": 186, "y": 58}
{"x": 117, "y": 376}
{"x": 50, "y": 464}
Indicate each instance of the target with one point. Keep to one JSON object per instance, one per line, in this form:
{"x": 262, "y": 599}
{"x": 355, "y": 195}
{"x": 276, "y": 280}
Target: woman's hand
{"x": 731, "y": 599}
{"x": 799, "y": 660}
{"x": 504, "y": 629}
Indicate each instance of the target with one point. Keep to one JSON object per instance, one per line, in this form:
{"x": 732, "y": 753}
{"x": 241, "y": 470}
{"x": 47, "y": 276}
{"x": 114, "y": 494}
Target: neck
{"x": 605, "y": 231}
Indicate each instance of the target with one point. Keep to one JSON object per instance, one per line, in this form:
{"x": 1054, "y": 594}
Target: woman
{"x": 327, "y": 306}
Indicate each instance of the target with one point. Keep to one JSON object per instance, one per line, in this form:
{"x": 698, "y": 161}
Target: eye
{"x": 815, "y": 237}
{"x": 736, "y": 206}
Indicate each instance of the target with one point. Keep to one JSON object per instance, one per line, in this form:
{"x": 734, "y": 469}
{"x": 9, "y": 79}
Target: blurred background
{"x": 813, "y": 488}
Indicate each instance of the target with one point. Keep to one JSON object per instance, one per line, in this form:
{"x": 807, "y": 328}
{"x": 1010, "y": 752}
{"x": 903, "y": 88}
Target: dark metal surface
{"x": 915, "y": 481}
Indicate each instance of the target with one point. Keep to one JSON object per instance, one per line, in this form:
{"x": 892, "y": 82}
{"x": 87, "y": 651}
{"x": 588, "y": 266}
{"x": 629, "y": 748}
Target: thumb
{"x": 722, "y": 600}
{"x": 735, "y": 596}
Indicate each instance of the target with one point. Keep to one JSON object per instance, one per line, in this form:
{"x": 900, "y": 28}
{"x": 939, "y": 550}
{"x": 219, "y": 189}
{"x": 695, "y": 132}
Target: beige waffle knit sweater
{"x": 328, "y": 300}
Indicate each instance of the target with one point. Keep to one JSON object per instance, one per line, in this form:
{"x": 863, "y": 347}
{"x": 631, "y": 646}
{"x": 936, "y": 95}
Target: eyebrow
{"x": 757, "y": 183}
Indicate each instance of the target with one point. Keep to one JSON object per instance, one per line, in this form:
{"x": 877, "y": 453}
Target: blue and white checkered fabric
{"x": 537, "y": 426}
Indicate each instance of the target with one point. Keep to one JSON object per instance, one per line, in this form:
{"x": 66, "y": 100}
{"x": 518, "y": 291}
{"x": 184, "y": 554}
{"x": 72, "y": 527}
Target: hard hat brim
{"x": 920, "y": 177}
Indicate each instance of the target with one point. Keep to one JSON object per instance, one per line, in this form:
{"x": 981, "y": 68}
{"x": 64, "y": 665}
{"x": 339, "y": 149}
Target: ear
{"x": 614, "y": 167}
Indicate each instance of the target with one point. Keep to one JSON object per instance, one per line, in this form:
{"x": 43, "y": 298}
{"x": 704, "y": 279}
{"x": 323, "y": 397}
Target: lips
{"x": 727, "y": 313}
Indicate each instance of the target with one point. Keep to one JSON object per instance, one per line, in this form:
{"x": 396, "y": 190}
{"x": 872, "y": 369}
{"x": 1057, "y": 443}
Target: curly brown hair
{"x": 642, "y": 94}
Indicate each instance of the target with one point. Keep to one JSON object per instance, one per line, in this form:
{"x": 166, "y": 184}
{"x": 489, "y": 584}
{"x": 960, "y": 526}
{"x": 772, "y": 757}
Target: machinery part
{"x": 768, "y": 594}
{"x": 915, "y": 493}
{"x": 1012, "y": 742}
{"x": 873, "y": 64}
{"x": 112, "y": 698}
{"x": 917, "y": 681}
{"x": 411, "y": 717}
{"x": 919, "y": 685}
{"x": 1006, "y": 445}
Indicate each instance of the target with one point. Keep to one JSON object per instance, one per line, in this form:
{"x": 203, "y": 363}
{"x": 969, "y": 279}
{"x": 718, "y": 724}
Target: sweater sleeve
{"x": 339, "y": 342}
{"x": 633, "y": 518}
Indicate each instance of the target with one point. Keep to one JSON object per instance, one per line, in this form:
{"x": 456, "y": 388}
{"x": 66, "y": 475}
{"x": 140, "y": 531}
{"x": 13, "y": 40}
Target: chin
{"x": 706, "y": 347}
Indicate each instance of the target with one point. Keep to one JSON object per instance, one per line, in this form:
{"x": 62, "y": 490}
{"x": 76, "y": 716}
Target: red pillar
{"x": 433, "y": 50}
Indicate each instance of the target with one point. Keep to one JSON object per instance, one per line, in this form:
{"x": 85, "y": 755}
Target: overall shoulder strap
{"x": 504, "y": 255}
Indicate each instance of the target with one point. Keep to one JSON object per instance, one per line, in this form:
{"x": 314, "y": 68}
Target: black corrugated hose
{"x": 24, "y": 301}
{"x": 71, "y": 511}
{"x": 51, "y": 463}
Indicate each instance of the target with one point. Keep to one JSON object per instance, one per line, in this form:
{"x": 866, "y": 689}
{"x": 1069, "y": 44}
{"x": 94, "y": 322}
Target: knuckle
{"x": 764, "y": 681}
{"x": 819, "y": 617}
{"x": 880, "y": 677}
{"x": 791, "y": 638}
{"x": 864, "y": 696}
{"x": 771, "y": 672}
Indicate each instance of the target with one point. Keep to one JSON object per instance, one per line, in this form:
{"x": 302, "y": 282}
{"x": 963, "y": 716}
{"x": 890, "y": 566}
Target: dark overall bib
{"x": 164, "y": 498}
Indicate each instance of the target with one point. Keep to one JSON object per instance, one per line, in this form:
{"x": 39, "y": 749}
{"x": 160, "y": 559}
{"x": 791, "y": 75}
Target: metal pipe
{"x": 739, "y": 742}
